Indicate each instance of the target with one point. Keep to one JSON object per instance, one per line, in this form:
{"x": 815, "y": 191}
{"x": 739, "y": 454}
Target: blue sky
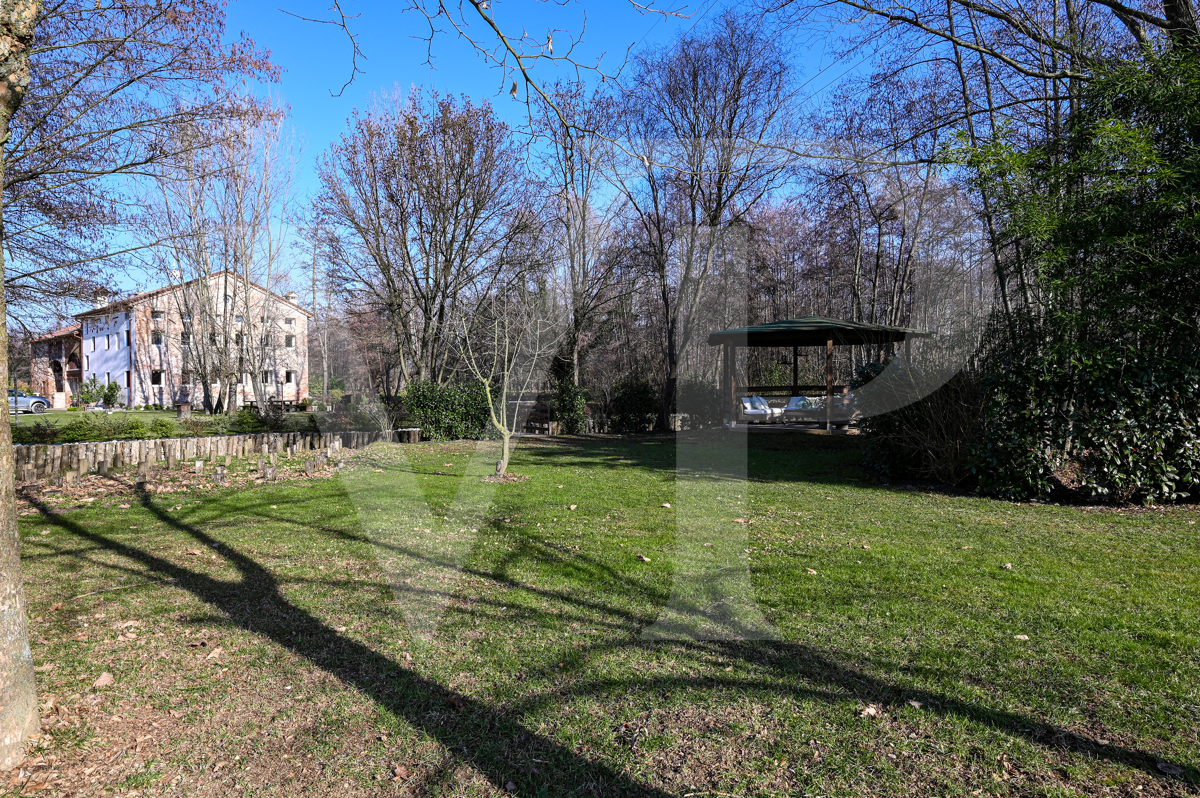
{"x": 316, "y": 58}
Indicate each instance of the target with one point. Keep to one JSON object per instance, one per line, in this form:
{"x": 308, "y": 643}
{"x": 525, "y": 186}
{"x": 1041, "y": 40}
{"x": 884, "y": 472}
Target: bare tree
{"x": 507, "y": 348}
{"x": 704, "y": 115}
{"x": 220, "y": 214}
{"x": 110, "y": 85}
{"x": 419, "y": 201}
{"x": 585, "y": 215}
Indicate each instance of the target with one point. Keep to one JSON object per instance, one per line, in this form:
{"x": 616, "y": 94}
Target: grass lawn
{"x": 268, "y": 641}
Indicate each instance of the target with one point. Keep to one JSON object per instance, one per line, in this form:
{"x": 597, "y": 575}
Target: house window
{"x": 128, "y": 338}
{"x": 266, "y": 340}
{"x": 93, "y": 344}
{"x": 212, "y": 338}
{"x": 158, "y": 315}
{"x": 156, "y": 378}
{"x": 87, "y": 362}
{"x": 129, "y": 379}
{"x": 186, "y": 378}
{"x": 289, "y": 341}
{"x": 290, "y": 322}
{"x": 107, "y": 341}
{"x": 185, "y": 339}
{"x": 237, "y": 319}
{"x": 107, "y": 377}
{"x": 289, "y": 377}
{"x": 237, "y": 339}
{"x": 156, "y": 337}
{"x": 266, "y": 377}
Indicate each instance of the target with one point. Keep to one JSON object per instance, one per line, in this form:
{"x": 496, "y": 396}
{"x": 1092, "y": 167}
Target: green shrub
{"x": 248, "y": 421}
{"x": 448, "y": 412}
{"x": 39, "y": 432}
{"x": 136, "y": 429}
{"x": 700, "y": 403}
{"x": 77, "y": 430}
{"x": 73, "y": 409}
{"x": 1113, "y": 425}
{"x": 634, "y": 406}
{"x": 90, "y": 392}
{"x": 930, "y": 438}
{"x": 569, "y": 407}
{"x": 162, "y": 428}
{"x": 112, "y": 393}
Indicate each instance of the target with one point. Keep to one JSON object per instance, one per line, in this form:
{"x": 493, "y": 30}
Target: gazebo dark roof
{"x": 812, "y": 331}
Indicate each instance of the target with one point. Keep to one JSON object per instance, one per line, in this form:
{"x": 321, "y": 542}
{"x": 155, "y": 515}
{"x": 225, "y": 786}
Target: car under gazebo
{"x": 807, "y": 331}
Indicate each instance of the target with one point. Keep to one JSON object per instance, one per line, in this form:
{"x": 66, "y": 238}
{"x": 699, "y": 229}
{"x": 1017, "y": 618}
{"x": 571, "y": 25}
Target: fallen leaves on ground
{"x": 643, "y": 558}
{"x": 871, "y": 711}
{"x": 104, "y": 680}
{"x": 811, "y": 571}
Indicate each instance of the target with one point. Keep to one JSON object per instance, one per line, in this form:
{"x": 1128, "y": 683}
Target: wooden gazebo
{"x": 805, "y": 331}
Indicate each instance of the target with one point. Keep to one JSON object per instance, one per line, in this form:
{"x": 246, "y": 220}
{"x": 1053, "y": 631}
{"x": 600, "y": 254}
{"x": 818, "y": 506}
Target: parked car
{"x": 21, "y": 402}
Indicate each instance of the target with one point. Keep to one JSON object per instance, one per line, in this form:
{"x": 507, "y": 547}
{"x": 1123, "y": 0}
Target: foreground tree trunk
{"x": 18, "y": 695}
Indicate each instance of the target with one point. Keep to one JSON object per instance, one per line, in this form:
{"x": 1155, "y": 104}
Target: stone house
{"x": 157, "y": 345}
{"x": 57, "y": 366}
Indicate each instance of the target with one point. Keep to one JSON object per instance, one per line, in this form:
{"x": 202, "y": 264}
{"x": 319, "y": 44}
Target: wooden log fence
{"x": 44, "y": 461}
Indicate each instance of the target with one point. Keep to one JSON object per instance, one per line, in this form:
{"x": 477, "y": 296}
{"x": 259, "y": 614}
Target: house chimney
{"x": 100, "y": 298}
{"x": 291, "y": 296}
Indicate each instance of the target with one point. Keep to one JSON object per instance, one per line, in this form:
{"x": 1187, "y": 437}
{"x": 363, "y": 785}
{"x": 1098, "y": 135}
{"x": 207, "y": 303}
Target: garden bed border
{"x": 46, "y": 460}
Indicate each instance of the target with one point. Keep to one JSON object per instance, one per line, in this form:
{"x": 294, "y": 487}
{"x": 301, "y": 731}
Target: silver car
{"x": 21, "y": 402}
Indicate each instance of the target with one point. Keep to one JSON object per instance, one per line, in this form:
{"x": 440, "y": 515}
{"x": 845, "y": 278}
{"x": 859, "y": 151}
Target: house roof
{"x": 74, "y": 328}
{"x": 130, "y": 301}
{"x": 812, "y": 331}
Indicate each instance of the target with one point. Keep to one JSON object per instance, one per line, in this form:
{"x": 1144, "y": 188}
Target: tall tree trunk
{"x": 18, "y": 693}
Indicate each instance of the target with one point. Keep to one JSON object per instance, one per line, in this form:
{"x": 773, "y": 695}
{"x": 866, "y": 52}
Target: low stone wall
{"x": 43, "y": 461}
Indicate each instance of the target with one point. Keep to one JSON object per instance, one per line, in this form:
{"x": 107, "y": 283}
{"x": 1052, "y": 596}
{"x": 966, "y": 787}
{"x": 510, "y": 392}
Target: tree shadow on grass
{"x": 469, "y": 729}
{"x": 489, "y": 739}
{"x": 796, "y": 670}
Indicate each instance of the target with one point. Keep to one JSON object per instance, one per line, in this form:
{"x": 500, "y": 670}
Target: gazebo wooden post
{"x": 727, "y": 380}
{"x": 829, "y": 385}
{"x": 795, "y": 370}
